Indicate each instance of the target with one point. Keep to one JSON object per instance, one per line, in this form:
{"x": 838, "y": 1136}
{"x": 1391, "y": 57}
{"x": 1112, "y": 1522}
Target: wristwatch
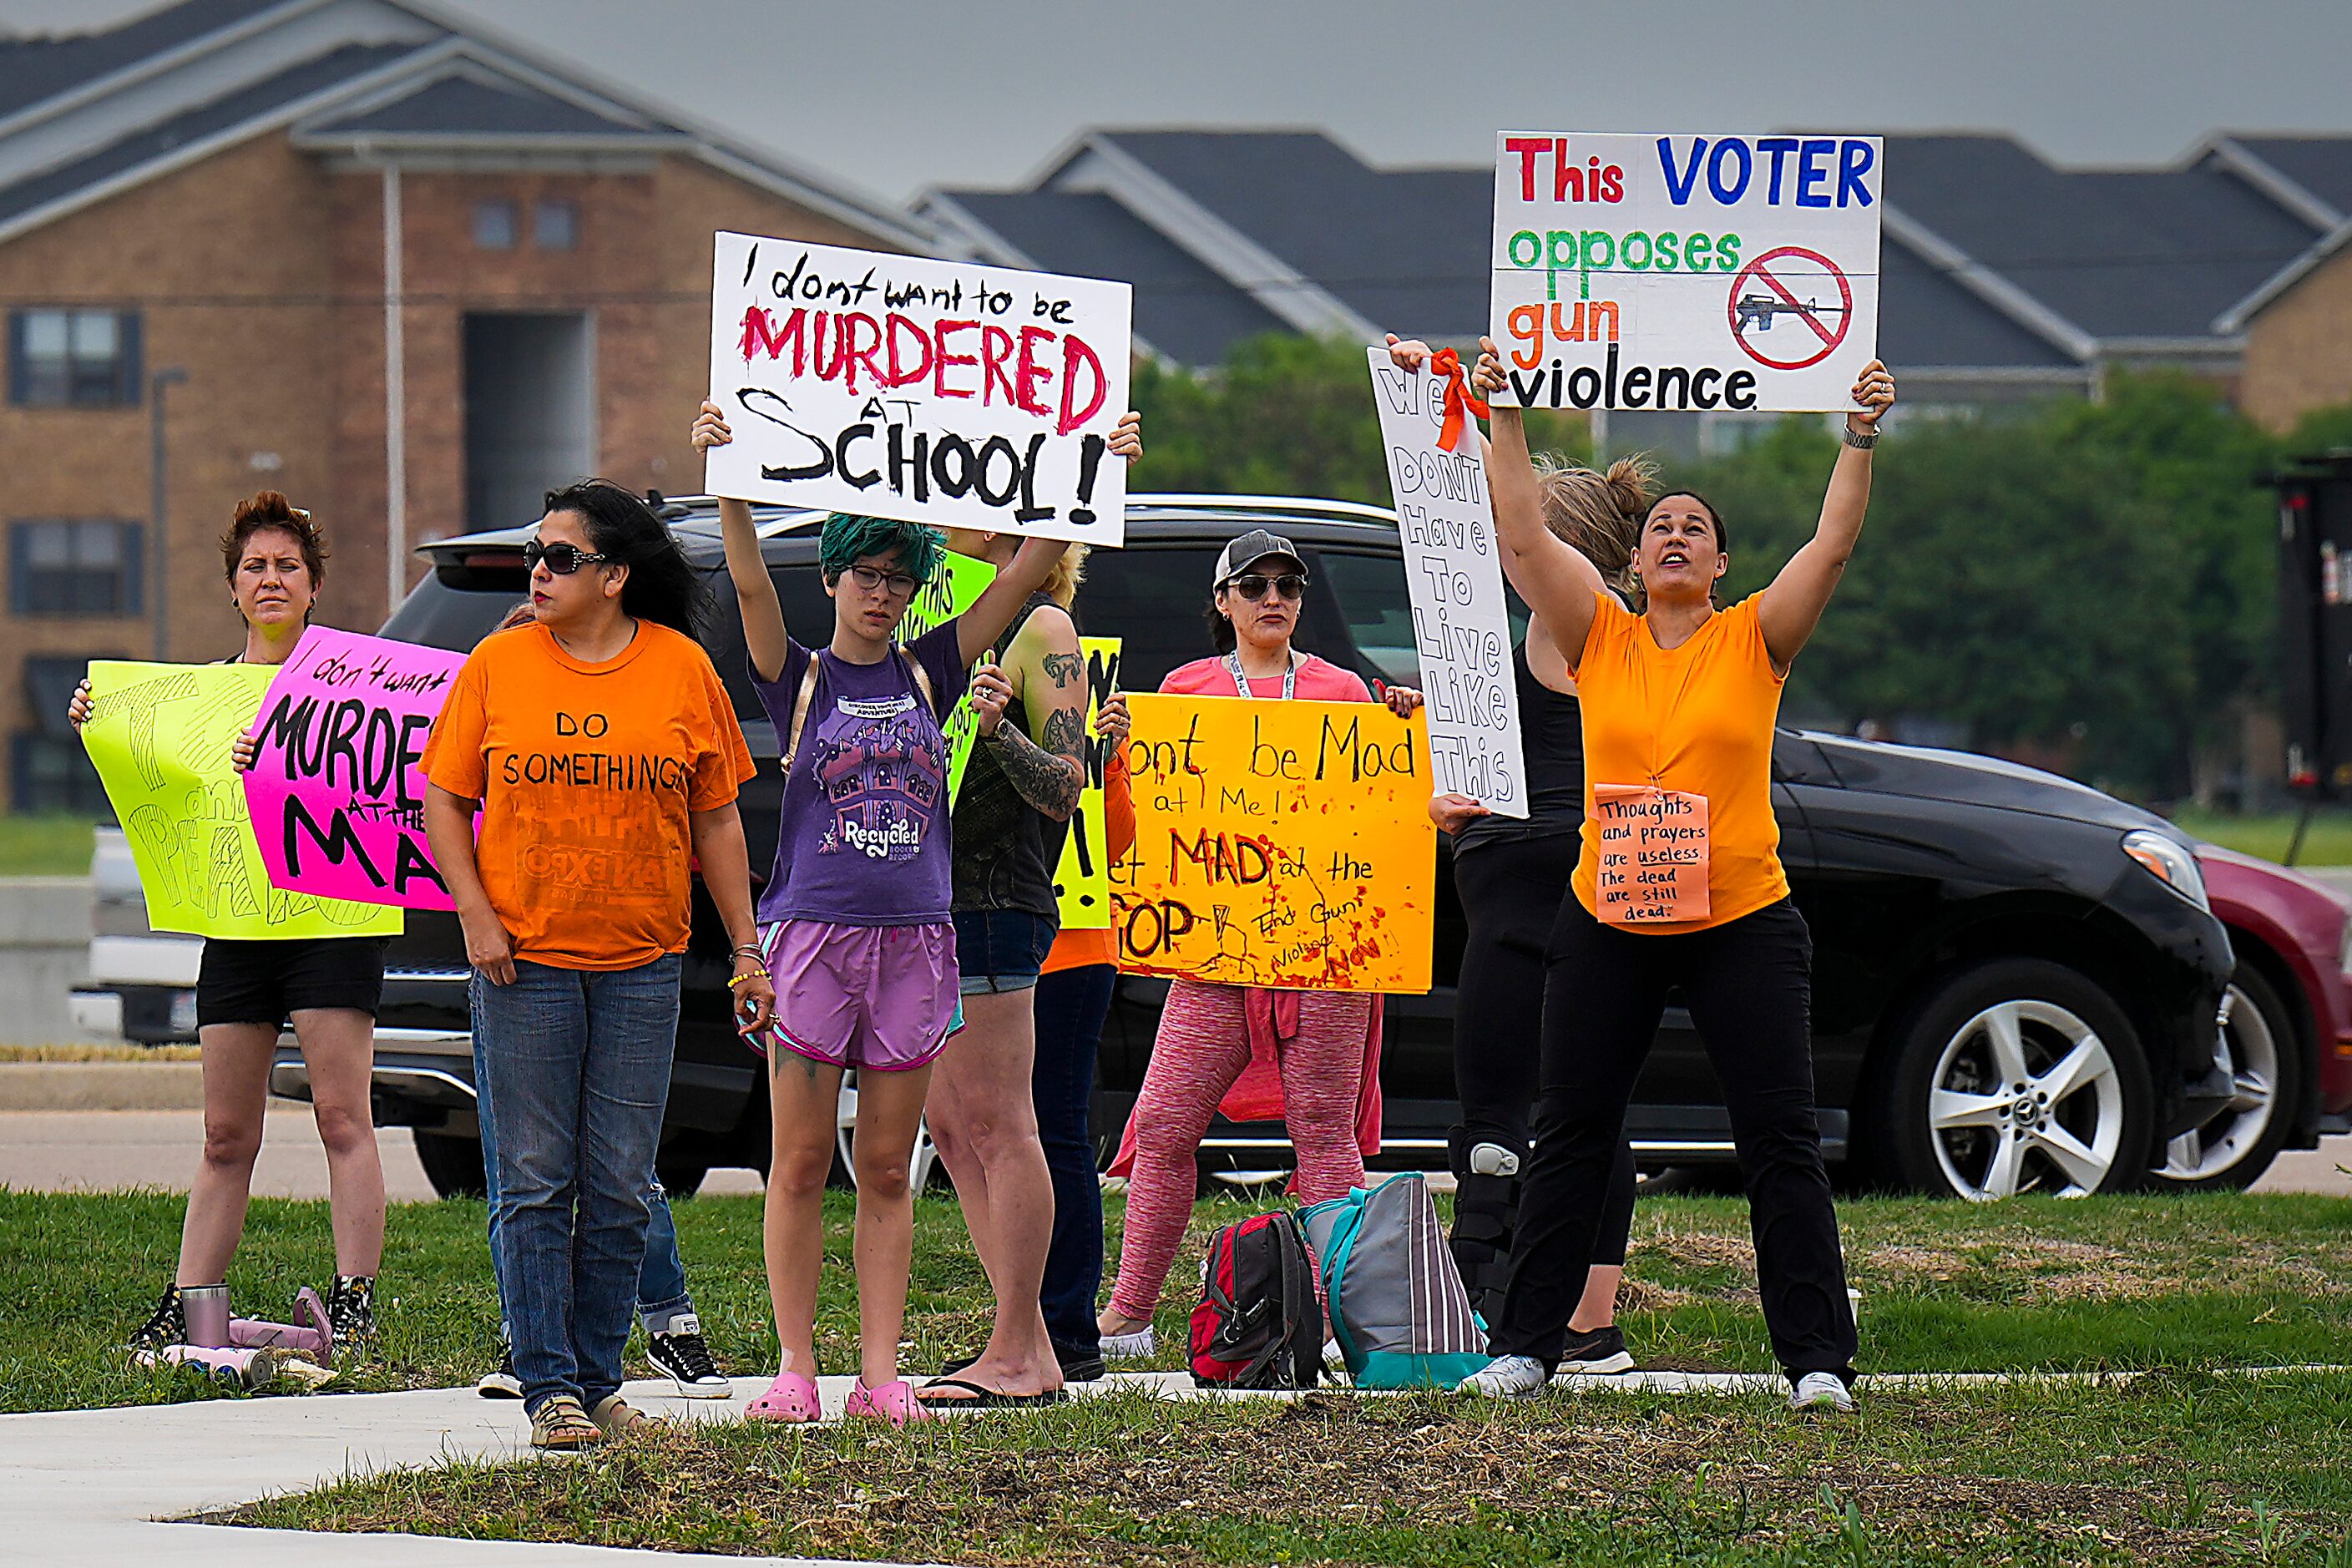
{"x": 1858, "y": 442}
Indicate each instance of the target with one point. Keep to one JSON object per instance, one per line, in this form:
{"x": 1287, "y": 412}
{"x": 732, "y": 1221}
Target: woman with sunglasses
{"x": 602, "y": 756}
{"x": 857, "y": 919}
{"x": 1321, "y": 1040}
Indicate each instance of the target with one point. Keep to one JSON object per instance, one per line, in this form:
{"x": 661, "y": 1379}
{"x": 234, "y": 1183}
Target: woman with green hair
{"x": 856, "y": 924}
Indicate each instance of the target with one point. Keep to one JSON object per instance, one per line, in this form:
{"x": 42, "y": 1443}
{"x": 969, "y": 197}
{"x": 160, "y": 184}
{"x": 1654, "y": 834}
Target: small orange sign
{"x": 1652, "y": 869}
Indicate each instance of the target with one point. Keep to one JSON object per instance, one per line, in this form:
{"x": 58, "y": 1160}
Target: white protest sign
{"x": 1461, "y": 624}
{"x": 937, "y": 392}
{"x": 1684, "y": 272}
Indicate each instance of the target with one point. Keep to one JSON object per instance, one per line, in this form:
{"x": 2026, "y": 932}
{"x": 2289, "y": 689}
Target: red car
{"x": 2287, "y": 1029}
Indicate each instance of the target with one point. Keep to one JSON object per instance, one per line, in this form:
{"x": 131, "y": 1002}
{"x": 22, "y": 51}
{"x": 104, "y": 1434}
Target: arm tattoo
{"x": 1065, "y": 667}
{"x": 1048, "y": 777}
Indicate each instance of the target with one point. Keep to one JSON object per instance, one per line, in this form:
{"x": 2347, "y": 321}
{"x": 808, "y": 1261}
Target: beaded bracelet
{"x": 755, "y": 974}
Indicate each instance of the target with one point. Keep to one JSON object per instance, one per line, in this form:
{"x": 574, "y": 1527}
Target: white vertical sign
{"x": 1453, "y": 568}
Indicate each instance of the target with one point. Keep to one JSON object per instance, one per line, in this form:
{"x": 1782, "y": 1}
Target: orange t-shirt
{"x": 1697, "y": 719}
{"x": 1096, "y": 944}
{"x": 586, "y": 772}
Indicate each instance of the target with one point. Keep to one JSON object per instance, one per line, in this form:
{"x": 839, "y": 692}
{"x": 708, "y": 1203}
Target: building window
{"x": 73, "y": 359}
{"x": 73, "y": 566}
{"x": 494, "y": 225}
{"x": 48, "y": 768}
{"x": 554, "y": 225}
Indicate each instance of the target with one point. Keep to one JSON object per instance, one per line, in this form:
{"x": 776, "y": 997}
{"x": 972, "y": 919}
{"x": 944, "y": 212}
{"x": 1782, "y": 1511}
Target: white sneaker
{"x": 1140, "y": 1345}
{"x": 1822, "y": 1391}
{"x": 1333, "y": 1356}
{"x": 1506, "y": 1377}
{"x": 684, "y": 1357}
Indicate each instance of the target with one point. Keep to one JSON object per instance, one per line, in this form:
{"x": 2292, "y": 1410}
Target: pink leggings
{"x": 1203, "y": 1047}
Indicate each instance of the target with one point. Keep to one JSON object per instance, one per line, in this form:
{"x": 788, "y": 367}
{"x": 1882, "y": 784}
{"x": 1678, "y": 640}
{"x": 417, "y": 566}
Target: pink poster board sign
{"x": 335, "y": 790}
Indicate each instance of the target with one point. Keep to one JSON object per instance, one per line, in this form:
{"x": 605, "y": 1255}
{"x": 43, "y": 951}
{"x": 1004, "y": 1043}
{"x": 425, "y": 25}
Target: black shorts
{"x": 264, "y": 982}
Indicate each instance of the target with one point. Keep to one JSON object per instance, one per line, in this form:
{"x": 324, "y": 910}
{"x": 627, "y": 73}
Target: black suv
{"x": 1977, "y": 926}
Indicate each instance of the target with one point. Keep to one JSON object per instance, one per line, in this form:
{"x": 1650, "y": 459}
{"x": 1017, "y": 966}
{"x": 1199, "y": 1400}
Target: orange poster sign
{"x": 1653, "y": 864}
{"x": 1284, "y": 844}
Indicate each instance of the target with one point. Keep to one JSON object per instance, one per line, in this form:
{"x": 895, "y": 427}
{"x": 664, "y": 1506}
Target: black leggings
{"x": 1511, "y": 893}
{"x": 1749, "y": 984}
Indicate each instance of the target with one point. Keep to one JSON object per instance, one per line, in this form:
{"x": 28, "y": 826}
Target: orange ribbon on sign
{"x": 1460, "y": 402}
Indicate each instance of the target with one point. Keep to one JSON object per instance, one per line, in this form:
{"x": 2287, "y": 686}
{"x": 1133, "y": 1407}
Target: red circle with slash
{"x": 1779, "y": 300}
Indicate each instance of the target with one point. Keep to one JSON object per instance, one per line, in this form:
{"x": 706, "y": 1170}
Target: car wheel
{"x": 2016, "y": 1076}
{"x": 2264, "y": 1052}
{"x": 453, "y": 1163}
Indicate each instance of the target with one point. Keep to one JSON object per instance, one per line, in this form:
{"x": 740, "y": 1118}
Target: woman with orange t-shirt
{"x": 603, "y": 756}
{"x": 1678, "y": 886}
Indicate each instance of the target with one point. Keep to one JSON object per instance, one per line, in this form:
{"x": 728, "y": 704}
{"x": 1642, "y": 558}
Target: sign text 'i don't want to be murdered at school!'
{"x": 1685, "y": 273}
{"x": 1282, "y": 844}
{"x": 940, "y": 392}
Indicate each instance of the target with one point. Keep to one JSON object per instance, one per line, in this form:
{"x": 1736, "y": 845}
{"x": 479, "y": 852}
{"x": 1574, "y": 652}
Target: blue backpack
{"x": 1397, "y": 1308}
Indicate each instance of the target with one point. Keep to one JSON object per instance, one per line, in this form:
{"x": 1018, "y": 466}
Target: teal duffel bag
{"x": 1397, "y": 1305}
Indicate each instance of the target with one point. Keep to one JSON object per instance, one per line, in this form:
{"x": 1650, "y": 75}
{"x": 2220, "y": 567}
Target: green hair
{"x": 849, "y": 539}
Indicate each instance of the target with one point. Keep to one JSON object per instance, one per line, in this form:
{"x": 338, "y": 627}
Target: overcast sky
{"x": 897, "y": 95}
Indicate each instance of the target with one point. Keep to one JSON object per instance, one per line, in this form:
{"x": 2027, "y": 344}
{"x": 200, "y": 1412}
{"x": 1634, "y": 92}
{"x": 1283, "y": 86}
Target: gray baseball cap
{"x": 1249, "y": 550}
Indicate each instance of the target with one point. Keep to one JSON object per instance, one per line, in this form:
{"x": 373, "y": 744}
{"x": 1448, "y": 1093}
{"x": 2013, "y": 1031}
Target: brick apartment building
{"x": 350, "y": 249}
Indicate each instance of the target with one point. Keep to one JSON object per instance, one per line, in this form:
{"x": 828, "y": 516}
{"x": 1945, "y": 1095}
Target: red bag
{"x": 1258, "y": 1324}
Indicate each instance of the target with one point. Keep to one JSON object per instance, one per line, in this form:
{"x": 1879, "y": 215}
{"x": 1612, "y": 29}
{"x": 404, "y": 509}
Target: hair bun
{"x": 1633, "y": 483}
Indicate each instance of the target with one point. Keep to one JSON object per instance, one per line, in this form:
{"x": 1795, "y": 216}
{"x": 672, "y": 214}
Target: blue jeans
{"x": 662, "y": 1297}
{"x": 572, "y": 1068}
{"x": 1071, "y": 1006}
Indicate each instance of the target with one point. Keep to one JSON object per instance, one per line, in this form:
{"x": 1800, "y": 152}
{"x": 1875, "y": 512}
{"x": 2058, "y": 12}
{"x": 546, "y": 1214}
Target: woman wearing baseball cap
{"x": 1323, "y": 1042}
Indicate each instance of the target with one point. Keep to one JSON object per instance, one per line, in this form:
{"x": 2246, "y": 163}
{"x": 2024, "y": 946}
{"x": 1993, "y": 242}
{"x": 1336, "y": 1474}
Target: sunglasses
{"x": 1253, "y": 586}
{"x": 561, "y": 559}
{"x": 869, "y": 578}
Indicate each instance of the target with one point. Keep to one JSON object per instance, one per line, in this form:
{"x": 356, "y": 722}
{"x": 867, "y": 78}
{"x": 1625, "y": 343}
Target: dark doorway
{"x": 530, "y": 412}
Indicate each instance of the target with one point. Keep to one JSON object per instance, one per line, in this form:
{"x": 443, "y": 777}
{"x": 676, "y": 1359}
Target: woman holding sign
{"x": 1512, "y": 874}
{"x": 1679, "y": 885}
{"x": 857, "y": 918}
{"x": 603, "y": 757}
{"x": 1324, "y": 1042}
{"x": 247, "y": 992}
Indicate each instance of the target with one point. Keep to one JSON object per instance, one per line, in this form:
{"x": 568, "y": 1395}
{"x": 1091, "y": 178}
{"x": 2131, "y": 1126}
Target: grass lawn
{"x": 2328, "y": 842}
{"x": 2189, "y": 1464}
{"x": 44, "y": 846}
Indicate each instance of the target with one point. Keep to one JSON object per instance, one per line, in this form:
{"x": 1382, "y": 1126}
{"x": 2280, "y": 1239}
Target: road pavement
{"x": 81, "y": 1150}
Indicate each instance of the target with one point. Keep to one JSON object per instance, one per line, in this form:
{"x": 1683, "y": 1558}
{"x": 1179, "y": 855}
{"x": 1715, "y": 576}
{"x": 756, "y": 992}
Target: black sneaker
{"x": 500, "y": 1381}
{"x": 1596, "y": 1353}
{"x": 683, "y": 1357}
{"x": 350, "y": 1314}
{"x": 168, "y": 1326}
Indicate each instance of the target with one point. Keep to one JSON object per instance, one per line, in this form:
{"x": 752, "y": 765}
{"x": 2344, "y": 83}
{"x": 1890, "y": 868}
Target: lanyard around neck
{"x": 1241, "y": 684}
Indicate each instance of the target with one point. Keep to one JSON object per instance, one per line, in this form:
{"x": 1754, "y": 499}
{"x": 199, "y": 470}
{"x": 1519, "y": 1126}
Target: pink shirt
{"x": 1319, "y": 680}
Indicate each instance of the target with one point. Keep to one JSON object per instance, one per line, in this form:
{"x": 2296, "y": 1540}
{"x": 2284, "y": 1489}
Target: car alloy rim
{"x": 2248, "y": 1050}
{"x": 2025, "y": 1098}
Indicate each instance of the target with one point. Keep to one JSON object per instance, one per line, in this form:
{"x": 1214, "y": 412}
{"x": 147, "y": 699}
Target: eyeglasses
{"x": 869, "y": 578}
{"x": 1251, "y": 585}
{"x": 561, "y": 559}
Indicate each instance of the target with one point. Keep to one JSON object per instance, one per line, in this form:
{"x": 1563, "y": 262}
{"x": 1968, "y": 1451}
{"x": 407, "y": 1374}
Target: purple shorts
{"x": 879, "y": 998}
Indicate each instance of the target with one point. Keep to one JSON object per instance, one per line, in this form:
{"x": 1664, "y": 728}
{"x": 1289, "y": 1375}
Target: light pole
{"x": 158, "y": 475}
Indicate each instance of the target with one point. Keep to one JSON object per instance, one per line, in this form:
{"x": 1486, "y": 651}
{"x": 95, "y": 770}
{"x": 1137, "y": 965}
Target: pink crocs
{"x": 791, "y": 1398}
{"x": 894, "y": 1402}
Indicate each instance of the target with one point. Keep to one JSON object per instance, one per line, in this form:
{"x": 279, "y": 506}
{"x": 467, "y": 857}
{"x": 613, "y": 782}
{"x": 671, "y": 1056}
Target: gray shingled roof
{"x": 2320, "y": 165}
{"x": 2134, "y": 254}
{"x": 1182, "y": 307}
{"x": 221, "y": 114}
{"x": 1926, "y": 320}
{"x": 33, "y": 69}
{"x": 1402, "y": 249}
{"x": 461, "y": 106}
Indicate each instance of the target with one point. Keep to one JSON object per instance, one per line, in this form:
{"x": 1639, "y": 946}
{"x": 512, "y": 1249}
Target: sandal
{"x": 561, "y": 1425}
{"x": 894, "y": 1402}
{"x": 792, "y": 1398}
{"x": 959, "y": 1394}
{"x": 618, "y": 1418}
